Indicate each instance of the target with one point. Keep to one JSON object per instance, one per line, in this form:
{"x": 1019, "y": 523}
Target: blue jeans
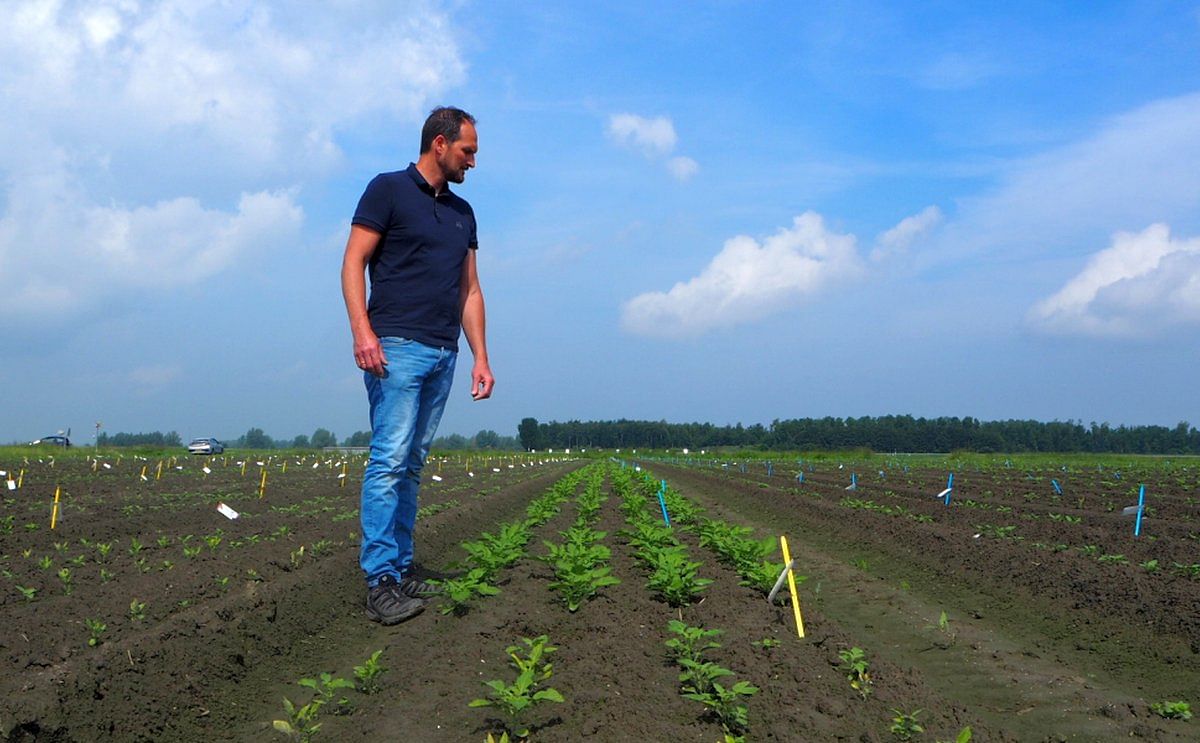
{"x": 406, "y": 406}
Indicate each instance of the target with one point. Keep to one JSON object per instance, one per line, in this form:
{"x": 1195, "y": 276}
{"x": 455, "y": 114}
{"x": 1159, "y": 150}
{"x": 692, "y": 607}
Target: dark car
{"x": 205, "y": 446}
{"x": 55, "y": 440}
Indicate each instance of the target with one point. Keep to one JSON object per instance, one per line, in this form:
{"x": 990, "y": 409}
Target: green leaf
{"x": 479, "y": 703}
{"x": 550, "y": 695}
{"x": 284, "y": 727}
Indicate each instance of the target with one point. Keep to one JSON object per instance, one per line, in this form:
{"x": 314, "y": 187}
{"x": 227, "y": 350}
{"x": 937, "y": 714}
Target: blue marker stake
{"x": 949, "y": 487}
{"x": 1137, "y": 523}
{"x": 853, "y": 482}
{"x": 1057, "y": 487}
{"x": 770, "y": 469}
{"x": 663, "y": 503}
{"x": 800, "y": 477}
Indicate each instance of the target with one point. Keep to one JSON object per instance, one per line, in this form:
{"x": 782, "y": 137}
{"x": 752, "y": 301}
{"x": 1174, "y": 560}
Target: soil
{"x": 1042, "y": 643}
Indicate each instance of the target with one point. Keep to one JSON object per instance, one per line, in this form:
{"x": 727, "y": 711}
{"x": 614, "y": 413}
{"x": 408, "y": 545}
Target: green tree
{"x": 322, "y": 438}
{"x": 487, "y": 440}
{"x": 358, "y": 438}
{"x": 528, "y": 433}
{"x": 301, "y": 442}
{"x": 256, "y": 438}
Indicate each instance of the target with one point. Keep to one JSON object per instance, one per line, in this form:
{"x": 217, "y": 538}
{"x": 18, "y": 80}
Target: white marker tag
{"x": 206, "y": 470}
{"x": 144, "y": 478}
{"x": 316, "y": 465}
{"x": 470, "y": 474}
{"x": 227, "y": 512}
{"x": 437, "y": 478}
{"x": 495, "y": 469}
{"x": 341, "y": 475}
{"x": 12, "y": 485}
{"x": 108, "y": 466}
{"x": 1129, "y": 511}
{"x": 510, "y": 466}
{"x": 260, "y": 464}
{"x": 942, "y": 494}
{"x": 3, "y": 473}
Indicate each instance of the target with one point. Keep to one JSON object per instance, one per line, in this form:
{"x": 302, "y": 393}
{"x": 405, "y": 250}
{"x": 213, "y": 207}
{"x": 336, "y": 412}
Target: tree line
{"x": 256, "y": 438}
{"x": 882, "y": 434}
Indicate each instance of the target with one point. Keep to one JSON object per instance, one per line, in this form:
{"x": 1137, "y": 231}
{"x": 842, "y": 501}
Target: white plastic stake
{"x": 227, "y": 512}
{"x": 779, "y": 581}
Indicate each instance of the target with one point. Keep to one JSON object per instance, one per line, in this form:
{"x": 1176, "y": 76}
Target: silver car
{"x": 206, "y": 446}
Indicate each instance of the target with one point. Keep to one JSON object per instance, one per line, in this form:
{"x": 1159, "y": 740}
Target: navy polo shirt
{"x": 416, "y": 270}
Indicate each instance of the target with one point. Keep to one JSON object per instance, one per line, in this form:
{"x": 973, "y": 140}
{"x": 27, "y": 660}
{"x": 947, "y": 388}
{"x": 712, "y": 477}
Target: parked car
{"x": 55, "y": 440}
{"x": 206, "y": 446}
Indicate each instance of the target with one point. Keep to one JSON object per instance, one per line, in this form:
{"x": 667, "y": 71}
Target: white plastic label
{"x": 226, "y": 511}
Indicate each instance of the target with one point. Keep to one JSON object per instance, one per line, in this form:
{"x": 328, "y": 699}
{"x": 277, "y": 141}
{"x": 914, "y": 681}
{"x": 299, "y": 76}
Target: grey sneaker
{"x": 388, "y": 604}
{"x": 416, "y": 588}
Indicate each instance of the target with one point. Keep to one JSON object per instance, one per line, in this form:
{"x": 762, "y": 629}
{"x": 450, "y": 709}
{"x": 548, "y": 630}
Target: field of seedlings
{"x": 943, "y": 599}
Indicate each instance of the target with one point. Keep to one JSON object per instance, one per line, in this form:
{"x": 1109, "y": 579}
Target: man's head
{"x": 449, "y": 140}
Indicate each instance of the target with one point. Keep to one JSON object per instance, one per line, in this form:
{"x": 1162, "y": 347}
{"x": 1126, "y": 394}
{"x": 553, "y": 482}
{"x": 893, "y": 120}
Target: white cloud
{"x": 653, "y": 137}
{"x": 1139, "y": 168}
{"x": 1141, "y": 284}
{"x": 899, "y": 238}
{"x": 124, "y": 121}
{"x": 683, "y": 168}
{"x": 749, "y": 280}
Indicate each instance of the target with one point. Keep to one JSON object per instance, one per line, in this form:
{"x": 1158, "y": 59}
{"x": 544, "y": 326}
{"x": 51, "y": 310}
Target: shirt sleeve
{"x": 375, "y": 207}
{"x": 473, "y": 240}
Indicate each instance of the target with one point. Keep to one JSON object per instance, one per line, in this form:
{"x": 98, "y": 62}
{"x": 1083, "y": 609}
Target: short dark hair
{"x": 446, "y": 121}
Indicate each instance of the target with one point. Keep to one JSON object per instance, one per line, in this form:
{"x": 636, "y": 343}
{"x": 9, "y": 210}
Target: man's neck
{"x": 428, "y": 168}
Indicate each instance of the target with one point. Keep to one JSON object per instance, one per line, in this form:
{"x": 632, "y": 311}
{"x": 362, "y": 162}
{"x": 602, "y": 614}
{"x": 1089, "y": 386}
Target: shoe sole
{"x": 375, "y": 616}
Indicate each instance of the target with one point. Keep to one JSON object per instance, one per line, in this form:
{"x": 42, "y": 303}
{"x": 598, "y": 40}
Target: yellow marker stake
{"x": 20, "y": 479}
{"x": 262, "y": 486}
{"x": 244, "y": 467}
{"x": 144, "y": 471}
{"x": 284, "y": 467}
{"x": 54, "y": 511}
{"x": 158, "y": 472}
{"x": 342, "y": 484}
{"x": 95, "y": 463}
{"x": 792, "y": 587}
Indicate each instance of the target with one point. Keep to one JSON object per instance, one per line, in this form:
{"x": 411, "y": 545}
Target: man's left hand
{"x": 482, "y": 381}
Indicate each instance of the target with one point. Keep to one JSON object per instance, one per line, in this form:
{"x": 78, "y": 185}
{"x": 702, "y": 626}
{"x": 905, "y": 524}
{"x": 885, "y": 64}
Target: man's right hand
{"x": 368, "y": 353}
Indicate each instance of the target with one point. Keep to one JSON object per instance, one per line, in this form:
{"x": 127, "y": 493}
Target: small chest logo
{"x": 458, "y": 225}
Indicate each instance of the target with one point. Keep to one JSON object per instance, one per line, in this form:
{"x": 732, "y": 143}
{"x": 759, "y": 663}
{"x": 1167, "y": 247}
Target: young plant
{"x": 1172, "y": 710}
{"x": 102, "y": 551}
{"x": 29, "y": 593}
{"x": 137, "y": 611}
{"x": 190, "y": 552}
{"x": 460, "y": 592}
{"x": 905, "y": 725}
{"x": 674, "y": 576}
{"x": 367, "y": 675}
{"x": 95, "y": 629}
{"x": 105, "y": 575}
{"x": 301, "y": 722}
{"x": 45, "y": 562}
{"x": 726, "y": 705}
{"x": 135, "y": 546}
{"x": 689, "y": 643}
{"x": 698, "y": 676}
{"x": 326, "y": 687}
{"x": 517, "y": 699}
{"x": 857, "y": 668}
{"x": 64, "y": 576}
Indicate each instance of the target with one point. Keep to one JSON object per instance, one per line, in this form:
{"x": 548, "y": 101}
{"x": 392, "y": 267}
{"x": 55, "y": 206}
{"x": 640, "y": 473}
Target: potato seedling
{"x": 64, "y": 576}
{"x": 725, "y": 704}
{"x": 95, "y": 629}
{"x": 905, "y": 725}
{"x": 518, "y": 698}
{"x": 367, "y": 675}
{"x": 29, "y": 593}
{"x": 689, "y": 643}
{"x": 137, "y": 610}
{"x": 856, "y": 666}
{"x": 1172, "y": 710}
{"x": 460, "y": 592}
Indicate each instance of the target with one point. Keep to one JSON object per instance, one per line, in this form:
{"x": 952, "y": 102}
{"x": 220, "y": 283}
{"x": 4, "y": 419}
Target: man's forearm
{"x": 474, "y": 322}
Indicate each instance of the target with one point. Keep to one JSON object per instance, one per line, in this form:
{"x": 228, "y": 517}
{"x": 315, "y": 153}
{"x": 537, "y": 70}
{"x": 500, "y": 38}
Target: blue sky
{"x": 709, "y": 211}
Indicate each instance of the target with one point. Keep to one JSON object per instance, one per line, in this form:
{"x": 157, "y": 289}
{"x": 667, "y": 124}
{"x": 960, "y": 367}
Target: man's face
{"x": 455, "y": 158}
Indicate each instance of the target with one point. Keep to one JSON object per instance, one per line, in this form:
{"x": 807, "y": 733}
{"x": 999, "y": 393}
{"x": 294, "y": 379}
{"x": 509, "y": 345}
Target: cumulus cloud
{"x": 899, "y": 238}
{"x": 1139, "y": 285}
{"x": 749, "y": 280}
{"x": 655, "y": 138}
{"x": 125, "y": 122}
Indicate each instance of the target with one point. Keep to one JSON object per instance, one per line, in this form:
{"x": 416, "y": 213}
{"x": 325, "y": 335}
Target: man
{"x": 418, "y": 240}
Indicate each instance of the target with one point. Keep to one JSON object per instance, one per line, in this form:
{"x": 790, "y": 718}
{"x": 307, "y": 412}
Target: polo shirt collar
{"x": 422, "y": 183}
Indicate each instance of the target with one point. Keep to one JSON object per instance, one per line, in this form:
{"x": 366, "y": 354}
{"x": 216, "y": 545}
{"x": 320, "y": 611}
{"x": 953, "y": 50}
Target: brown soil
{"x": 1042, "y": 644}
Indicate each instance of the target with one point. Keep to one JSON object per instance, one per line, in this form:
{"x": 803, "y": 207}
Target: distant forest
{"x": 901, "y": 433}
